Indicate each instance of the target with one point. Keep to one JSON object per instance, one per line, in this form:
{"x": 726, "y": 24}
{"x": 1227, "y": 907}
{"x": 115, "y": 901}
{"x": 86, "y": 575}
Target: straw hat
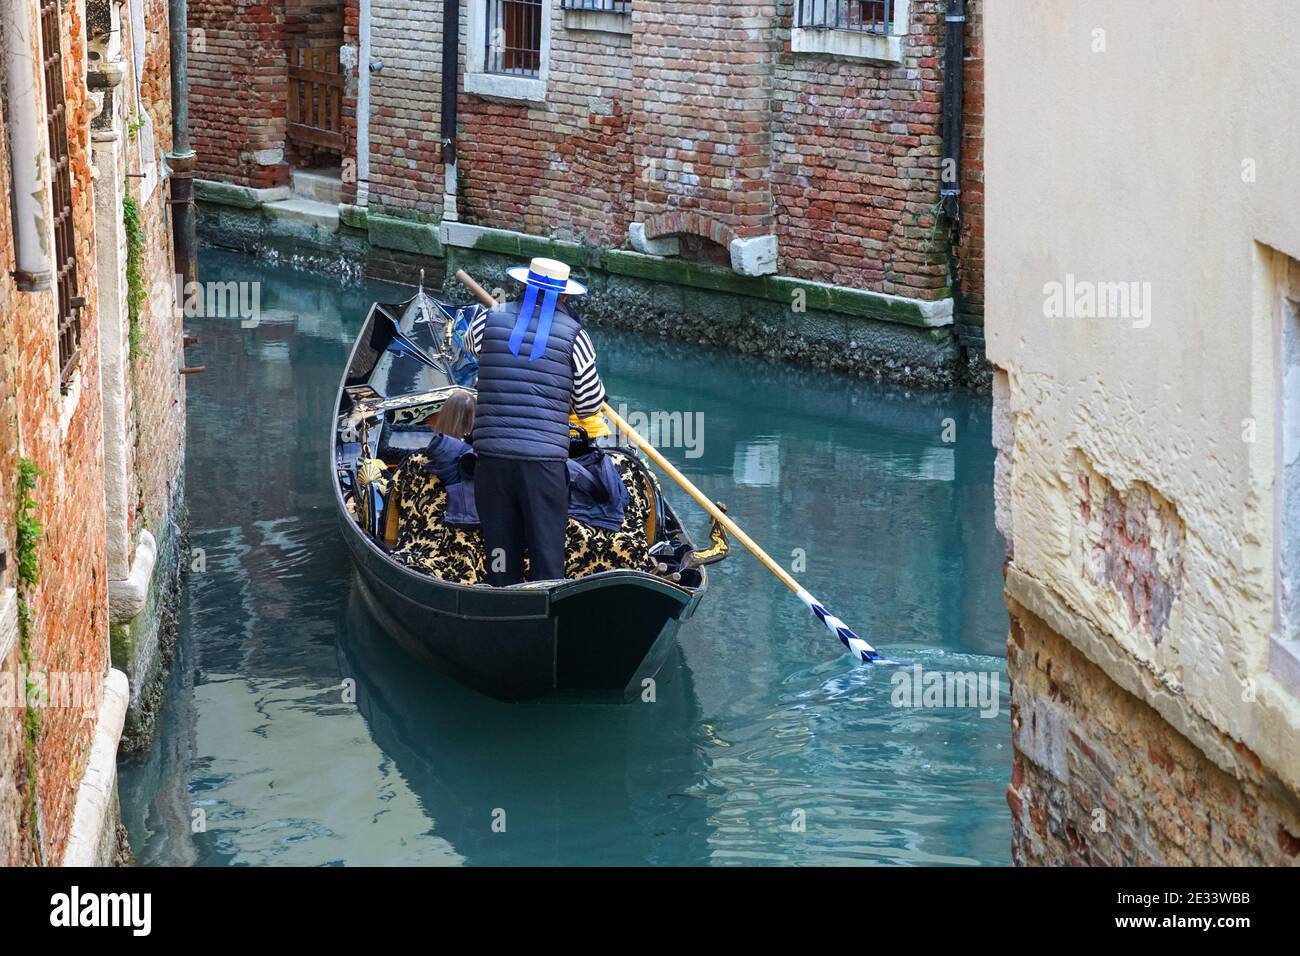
{"x": 549, "y": 275}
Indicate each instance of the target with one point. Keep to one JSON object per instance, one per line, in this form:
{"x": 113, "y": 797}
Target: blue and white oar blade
{"x": 856, "y": 645}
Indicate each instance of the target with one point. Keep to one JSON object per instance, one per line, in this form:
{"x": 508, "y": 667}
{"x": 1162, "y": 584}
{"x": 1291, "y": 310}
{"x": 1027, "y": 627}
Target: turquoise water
{"x": 295, "y": 733}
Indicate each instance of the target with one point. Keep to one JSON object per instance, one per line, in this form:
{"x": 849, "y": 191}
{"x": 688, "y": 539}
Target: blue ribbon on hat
{"x": 551, "y": 289}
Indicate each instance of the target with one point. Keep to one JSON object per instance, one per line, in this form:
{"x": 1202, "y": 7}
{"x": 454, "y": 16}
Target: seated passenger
{"x": 435, "y": 513}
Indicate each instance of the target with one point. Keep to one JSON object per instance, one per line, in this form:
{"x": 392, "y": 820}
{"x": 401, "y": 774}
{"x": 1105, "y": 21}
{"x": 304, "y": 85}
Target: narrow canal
{"x": 765, "y": 744}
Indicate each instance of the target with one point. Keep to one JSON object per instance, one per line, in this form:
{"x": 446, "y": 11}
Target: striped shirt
{"x": 588, "y": 390}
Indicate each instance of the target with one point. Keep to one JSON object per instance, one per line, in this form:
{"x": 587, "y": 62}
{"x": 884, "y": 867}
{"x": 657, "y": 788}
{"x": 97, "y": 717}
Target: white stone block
{"x": 755, "y": 256}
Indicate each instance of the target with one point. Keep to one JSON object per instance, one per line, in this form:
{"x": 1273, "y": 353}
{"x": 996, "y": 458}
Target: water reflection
{"x": 296, "y": 732}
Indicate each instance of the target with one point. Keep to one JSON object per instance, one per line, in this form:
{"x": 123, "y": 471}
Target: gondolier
{"x": 535, "y": 364}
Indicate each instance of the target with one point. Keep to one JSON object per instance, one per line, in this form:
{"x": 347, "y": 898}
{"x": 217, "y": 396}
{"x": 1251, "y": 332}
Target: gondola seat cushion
{"x": 426, "y": 542}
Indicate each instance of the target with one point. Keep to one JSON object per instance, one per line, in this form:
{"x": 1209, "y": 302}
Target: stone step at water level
{"x": 322, "y": 185}
{"x": 314, "y": 201}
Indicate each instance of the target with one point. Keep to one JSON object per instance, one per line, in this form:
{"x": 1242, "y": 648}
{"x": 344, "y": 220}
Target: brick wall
{"x": 70, "y": 605}
{"x": 700, "y": 122}
{"x": 702, "y": 106}
{"x": 856, "y": 164}
{"x": 237, "y": 91}
{"x": 155, "y": 389}
{"x": 405, "y": 97}
{"x": 1100, "y": 778}
{"x": 970, "y": 245}
{"x": 70, "y": 631}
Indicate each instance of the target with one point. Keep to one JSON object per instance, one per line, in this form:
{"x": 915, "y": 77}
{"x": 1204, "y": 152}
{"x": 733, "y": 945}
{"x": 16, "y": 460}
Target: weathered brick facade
{"x": 1100, "y": 778}
{"x": 237, "y": 91}
{"x": 62, "y": 433}
{"x": 1142, "y": 484}
{"x": 698, "y": 121}
{"x": 405, "y": 158}
{"x": 970, "y": 242}
{"x": 69, "y": 608}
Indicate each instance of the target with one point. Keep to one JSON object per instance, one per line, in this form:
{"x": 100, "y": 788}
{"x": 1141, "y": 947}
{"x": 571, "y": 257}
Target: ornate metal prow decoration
{"x": 719, "y": 545}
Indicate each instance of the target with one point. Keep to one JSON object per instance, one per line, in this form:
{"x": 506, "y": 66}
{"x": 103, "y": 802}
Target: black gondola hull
{"x": 604, "y": 635}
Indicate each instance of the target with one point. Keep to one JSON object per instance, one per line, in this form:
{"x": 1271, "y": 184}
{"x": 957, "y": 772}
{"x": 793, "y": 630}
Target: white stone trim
{"x": 126, "y": 598}
{"x": 8, "y": 622}
{"x": 663, "y": 246}
{"x": 464, "y": 235}
{"x": 599, "y": 21}
{"x": 95, "y": 794}
{"x": 69, "y": 402}
{"x": 114, "y": 360}
{"x": 1284, "y": 661}
{"x": 363, "y": 105}
{"x": 503, "y": 85}
{"x": 853, "y": 45}
{"x": 933, "y": 313}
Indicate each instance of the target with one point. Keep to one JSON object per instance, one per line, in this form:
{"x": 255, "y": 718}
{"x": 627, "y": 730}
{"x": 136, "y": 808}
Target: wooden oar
{"x": 856, "y": 645}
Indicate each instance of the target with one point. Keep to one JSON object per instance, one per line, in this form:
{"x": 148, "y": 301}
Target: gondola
{"x": 601, "y": 635}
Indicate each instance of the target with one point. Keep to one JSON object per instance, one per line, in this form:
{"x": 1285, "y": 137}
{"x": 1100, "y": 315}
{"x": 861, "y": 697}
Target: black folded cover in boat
{"x": 398, "y": 441}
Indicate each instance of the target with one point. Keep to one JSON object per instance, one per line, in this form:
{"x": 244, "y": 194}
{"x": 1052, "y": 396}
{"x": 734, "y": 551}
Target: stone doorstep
{"x": 241, "y": 197}
{"x": 94, "y": 804}
{"x": 320, "y": 185}
{"x": 308, "y": 212}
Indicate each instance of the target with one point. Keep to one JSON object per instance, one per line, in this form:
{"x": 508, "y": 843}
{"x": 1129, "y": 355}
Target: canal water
{"x": 294, "y": 732}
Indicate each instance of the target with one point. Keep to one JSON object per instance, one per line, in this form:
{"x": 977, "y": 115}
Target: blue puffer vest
{"x": 523, "y": 406}
{"x": 445, "y": 460}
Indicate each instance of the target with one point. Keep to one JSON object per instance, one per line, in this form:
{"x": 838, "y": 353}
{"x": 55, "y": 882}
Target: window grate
{"x": 514, "y": 37}
{"x": 65, "y": 240}
{"x": 857, "y": 16}
{"x": 601, "y": 6}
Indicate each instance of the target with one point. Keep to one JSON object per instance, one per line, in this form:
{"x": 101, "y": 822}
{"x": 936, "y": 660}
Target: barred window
{"x": 598, "y": 6}
{"x": 65, "y": 241}
{"x": 858, "y": 16}
{"x": 514, "y": 37}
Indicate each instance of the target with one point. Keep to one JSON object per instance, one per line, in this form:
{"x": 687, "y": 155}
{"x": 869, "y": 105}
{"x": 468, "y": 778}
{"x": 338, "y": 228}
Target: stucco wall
{"x": 1160, "y": 149}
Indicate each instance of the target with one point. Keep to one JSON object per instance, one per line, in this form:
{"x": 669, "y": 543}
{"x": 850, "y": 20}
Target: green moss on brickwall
{"x": 136, "y": 291}
{"x": 404, "y": 235}
{"x": 768, "y": 327}
{"x": 28, "y": 537}
{"x": 28, "y": 526}
{"x": 120, "y": 646}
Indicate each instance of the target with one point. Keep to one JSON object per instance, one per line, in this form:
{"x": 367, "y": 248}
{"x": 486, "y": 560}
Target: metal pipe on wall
{"x": 450, "y": 92}
{"x": 364, "y": 69}
{"x": 181, "y": 159}
{"x": 953, "y": 78}
{"x": 29, "y": 163}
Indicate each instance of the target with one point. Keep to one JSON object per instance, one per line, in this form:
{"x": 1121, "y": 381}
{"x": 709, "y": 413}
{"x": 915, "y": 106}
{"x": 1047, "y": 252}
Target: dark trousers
{"x": 523, "y": 507}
